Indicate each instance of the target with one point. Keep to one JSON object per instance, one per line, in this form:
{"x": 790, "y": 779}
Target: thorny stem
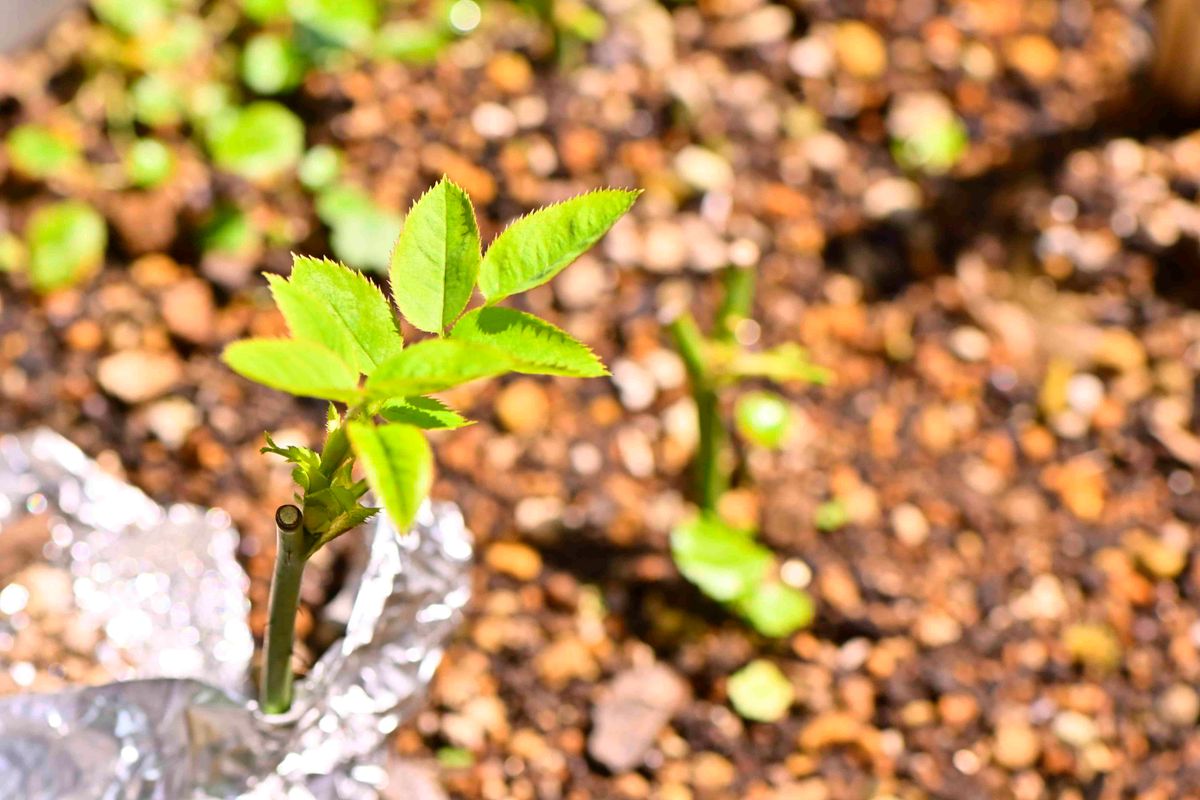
{"x": 275, "y": 690}
{"x": 711, "y": 481}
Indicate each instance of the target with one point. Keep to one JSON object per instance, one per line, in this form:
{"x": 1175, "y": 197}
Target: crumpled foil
{"x": 168, "y": 734}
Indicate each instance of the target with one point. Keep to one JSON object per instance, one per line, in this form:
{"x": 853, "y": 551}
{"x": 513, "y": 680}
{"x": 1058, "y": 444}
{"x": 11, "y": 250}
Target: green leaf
{"x": 157, "y": 101}
{"x": 763, "y": 419}
{"x": 398, "y": 464}
{"x": 776, "y": 609}
{"x": 271, "y": 64}
{"x": 131, "y": 17}
{"x": 258, "y": 142}
{"x": 332, "y": 511}
{"x": 297, "y": 367}
{"x": 230, "y": 231}
{"x": 831, "y": 515}
{"x": 411, "y": 41}
{"x": 265, "y": 10}
{"x": 340, "y": 202}
{"x": 176, "y": 45}
{"x": 66, "y": 244}
{"x": 454, "y": 757}
{"x": 423, "y": 412}
{"x": 935, "y": 147}
{"x": 40, "y": 152}
{"x": 332, "y": 305}
{"x": 580, "y": 20}
{"x": 436, "y": 259}
{"x": 537, "y": 247}
{"x": 208, "y": 100}
{"x": 320, "y": 167}
{"x": 724, "y": 562}
{"x": 533, "y": 345}
{"x": 148, "y": 163}
{"x": 307, "y": 461}
{"x": 344, "y": 24}
{"x": 362, "y": 231}
{"x": 433, "y": 366}
{"x": 759, "y": 691}
{"x": 788, "y": 362}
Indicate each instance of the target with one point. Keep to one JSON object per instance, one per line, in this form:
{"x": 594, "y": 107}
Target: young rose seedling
{"x": 345, "y": 347}
{"x": 725, "y": 562}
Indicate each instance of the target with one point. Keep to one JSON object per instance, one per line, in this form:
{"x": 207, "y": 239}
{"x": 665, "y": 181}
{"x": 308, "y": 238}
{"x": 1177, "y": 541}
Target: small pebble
{"x": 1179, "y": 705}
{"x": 1016, "y": 745}
{"x": 909, "y": 524}
{"x": 704, "y": 169}
{"x": 970, "y": 344}
{"x": 135, "y": 376}
{"x": 1074, "y": 728}
{"x": 860, "y": 50}
{"x": 514, "y": 558}
{"x": 522, "y": 407}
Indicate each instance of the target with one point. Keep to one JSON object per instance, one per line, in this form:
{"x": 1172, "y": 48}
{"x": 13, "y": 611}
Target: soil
{"x": 1011, "y": 610}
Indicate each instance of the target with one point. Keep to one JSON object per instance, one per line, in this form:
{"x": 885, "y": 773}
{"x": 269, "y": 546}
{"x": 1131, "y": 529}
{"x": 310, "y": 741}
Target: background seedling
{"x": 723, "y": 561}
{"x": 157, "y": 101}
{"x": 37, "y": 151}
{"x": 361, "y": 232}
{"x": 66, "y": 243}
{"x": 345, "y": 347}
{"x": 272, "y": 64}
{"x": 761, "y": 692}
{"x": 161, "y": 72}
{"x": 763, "y": 419}
{"x": 260, "y": 141}
{"x": 149, "y": 163}
{"x": 831, "y": 515}
{"x": 319, "y": 167}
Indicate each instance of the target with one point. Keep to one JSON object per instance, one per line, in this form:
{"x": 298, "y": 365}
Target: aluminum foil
{"x": 178, "y": 736}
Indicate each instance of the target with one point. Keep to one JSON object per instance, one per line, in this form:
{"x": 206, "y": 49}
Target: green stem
{"x": 711, "y": 481}
{"x": 275, "y": 690}
{"x": 710, "y": 478}
{"x": 738, "y": 302}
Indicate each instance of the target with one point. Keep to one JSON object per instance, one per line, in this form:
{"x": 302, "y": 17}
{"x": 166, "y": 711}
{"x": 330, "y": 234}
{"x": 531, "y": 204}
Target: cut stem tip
{"x": 288, "y": 517}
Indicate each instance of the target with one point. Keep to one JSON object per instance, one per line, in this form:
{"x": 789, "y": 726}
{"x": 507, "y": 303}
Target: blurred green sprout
{"x": 149, "y": 163}
{"x": 259, "y": 142}
{"x": 37, "y": 151}
{"x": 66, "y": 242}
{"x": 760, "y": 692}
{"x": 725, "y": 562}
{"x": 361, "y": 232}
